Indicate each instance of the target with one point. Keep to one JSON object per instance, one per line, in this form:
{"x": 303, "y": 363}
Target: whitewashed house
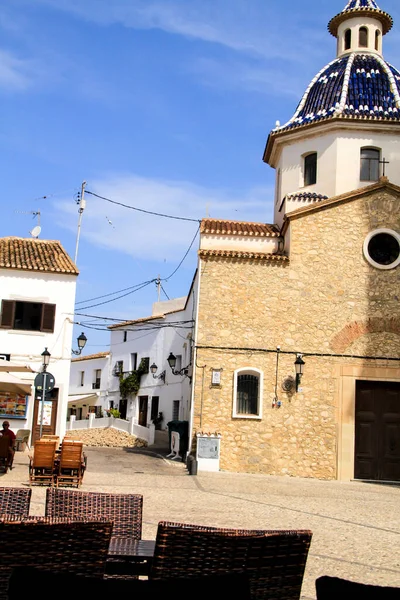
{"x": 88, "y": 385}
{"x": 37, "y": 296}
{"x": 139, "y": 350}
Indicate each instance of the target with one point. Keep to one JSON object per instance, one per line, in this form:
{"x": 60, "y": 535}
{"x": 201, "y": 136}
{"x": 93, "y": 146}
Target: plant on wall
{"x": 130, "y": 385}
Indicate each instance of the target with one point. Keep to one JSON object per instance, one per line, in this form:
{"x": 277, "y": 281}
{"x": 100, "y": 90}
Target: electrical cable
{"x": 148, "y": 212}
{"x": 186, "y": 253}
{"x": 113, "y": 293}
{"x": 118, "y": 297}
{"x": 168, "y": 298}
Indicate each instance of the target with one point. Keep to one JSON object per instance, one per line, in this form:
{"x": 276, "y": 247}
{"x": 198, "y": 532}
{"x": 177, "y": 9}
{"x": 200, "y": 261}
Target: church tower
{"x": 345, "y": 132}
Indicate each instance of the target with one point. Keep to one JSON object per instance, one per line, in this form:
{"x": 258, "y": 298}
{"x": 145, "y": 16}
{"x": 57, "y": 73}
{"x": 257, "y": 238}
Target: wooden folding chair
{"x": 51, "y": 438}
{"x": 71, "y": 466}
{"x": 42, "y": 463}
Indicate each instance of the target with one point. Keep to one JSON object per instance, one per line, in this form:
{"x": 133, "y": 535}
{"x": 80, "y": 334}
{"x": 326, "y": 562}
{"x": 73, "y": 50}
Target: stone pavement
{"x": 356, "y": 526}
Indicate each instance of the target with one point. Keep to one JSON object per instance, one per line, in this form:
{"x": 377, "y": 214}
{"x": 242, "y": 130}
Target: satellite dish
{"x": 36, "y": 231}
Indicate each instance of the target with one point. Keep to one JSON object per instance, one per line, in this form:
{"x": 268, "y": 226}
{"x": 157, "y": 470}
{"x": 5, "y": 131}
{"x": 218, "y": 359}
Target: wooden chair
{"x": 4, "y": 453}
{"x": 71, "y": 465}
{"x": 51, "y": 438}
{"x": 124, "y": 510}
{"x": 64, "y": 546}
{"x": 42, "y": 463}
{"x": 274, "y": 561}
{"x": 15, "y": 501}
{"x": 22, "y": 437}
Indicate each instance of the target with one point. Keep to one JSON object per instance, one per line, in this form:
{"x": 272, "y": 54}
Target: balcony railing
{"x": 96, "y": 385}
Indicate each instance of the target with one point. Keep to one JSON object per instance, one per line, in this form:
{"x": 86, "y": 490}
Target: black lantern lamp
{"x": 82, "y": 339}
{"x": 153, "y": 371}
{"x": 299, "y": 366}
{"x": 46, "y": 359}
{"x": 172, "y": 363}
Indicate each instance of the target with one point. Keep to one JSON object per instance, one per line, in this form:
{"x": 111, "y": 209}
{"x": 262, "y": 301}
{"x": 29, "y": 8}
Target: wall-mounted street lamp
{"x": 299, "y": 366}
{"x": 82, "y": 339}
{"x": 172, "y": 363}
{"x": 153, "y": 371}
{"x": 45, "y": 360}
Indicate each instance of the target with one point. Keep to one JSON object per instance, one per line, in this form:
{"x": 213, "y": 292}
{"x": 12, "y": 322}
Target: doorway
{"x": 143, "y": 404}
{"x": 377, "y": 431}
{"x": 123, "y": 405}
{"x": 49, "y": 415}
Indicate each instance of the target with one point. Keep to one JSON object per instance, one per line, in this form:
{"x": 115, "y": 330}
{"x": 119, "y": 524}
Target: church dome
{"x": 359, "y": 83}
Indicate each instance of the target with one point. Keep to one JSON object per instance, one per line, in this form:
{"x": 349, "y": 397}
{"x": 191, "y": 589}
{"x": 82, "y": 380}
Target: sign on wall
{"x": 13, "y": 405}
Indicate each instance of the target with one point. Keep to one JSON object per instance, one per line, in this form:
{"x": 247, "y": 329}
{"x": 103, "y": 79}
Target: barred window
{"x": 369, "y": 167}
{"x": 247, "y": 393}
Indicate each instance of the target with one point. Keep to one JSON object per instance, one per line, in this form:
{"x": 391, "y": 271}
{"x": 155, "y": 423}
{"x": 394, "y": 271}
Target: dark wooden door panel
{"x": 377, "y": 431}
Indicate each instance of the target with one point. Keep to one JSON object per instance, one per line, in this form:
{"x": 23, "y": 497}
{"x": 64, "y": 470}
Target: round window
{"x": 382, "y": 248}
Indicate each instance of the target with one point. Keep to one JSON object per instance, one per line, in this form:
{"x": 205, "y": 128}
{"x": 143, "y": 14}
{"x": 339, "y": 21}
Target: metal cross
{"x": 384, "y": 162}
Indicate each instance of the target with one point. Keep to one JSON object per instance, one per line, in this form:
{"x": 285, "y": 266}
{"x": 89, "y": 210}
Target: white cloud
{"x": 148, "y": 237}
{"x": 14, "y": 72}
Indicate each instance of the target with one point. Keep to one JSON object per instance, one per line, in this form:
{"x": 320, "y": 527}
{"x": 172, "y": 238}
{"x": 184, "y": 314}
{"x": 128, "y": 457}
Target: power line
{"x": 186, "y": 253}
{"x": 113, "y": 293}
{"x": 148, "y": 212}
{"x": 165, "y": 292}
{"x": 118, "y": 297}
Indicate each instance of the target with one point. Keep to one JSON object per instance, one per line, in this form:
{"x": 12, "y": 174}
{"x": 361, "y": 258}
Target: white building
{"x": 142, "y": 343}
{"x": 37, "y": 293}
{"x": 88, "y": 385}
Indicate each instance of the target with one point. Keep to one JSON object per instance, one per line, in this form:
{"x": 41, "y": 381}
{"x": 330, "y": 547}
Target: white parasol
{"x": 11, "y": 366}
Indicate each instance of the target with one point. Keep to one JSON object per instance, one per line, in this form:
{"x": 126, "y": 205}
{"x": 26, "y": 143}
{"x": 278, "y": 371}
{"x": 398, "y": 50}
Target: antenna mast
{"x": 82, "y": 206}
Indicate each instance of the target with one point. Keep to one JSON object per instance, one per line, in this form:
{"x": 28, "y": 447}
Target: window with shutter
{"x": 48, "y": 316}
{"x": 7, "y": 314}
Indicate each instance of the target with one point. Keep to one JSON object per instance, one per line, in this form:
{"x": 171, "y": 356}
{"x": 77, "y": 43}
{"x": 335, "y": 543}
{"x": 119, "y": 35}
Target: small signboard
{"x": 207, "y": 447}
{"x": 216, "y": 377}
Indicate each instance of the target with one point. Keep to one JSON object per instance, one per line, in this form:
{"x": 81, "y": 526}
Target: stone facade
{"x": 326, "y": 301}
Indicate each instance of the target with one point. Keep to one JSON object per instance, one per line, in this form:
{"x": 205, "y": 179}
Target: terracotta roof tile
{"x": 91, "y": 356}
{"x": 217, "y": 227}
{"x": 261, "y": 256}
{"x": 32, "y": 254}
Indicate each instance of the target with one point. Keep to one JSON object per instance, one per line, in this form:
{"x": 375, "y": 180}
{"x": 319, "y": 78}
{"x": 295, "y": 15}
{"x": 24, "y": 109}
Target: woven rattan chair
{"x": 42, "y": 463}
{"x": 71, "y": 465}
{"x": 15, "y": 501}
{"x": 125, "y": 510}
{"x": 64, "y": 546}
{"x": 274, "y": 561}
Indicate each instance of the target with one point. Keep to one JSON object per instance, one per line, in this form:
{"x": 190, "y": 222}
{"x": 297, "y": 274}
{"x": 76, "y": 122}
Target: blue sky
{"x": 164, "y": 105}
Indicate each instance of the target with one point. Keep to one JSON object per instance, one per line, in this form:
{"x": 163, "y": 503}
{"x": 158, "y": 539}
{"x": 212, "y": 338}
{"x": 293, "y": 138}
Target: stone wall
{"x": 327, "y": 300}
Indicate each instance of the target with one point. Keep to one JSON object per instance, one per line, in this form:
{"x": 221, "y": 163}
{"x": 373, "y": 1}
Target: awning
{"x": 14, "y": 385}
{"x": 82, "y": 398}
{"x": 10, "y": 365}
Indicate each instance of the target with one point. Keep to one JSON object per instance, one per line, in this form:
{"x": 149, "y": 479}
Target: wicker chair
{"x": 41, "y": 464}
{"x": 15, "y": 501}
{"x": 125, "y": 510}
{"x": 71, "y": 466}
{"x": 274, "y": 561}
{"x": 62, "y": 545}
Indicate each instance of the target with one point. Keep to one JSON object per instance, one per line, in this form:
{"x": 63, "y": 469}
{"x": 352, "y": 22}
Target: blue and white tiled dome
{"x": 361, "y": 86}
{"x": 358, "y": 84}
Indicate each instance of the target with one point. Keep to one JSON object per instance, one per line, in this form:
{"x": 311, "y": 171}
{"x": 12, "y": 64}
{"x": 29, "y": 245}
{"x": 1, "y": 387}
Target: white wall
{"x": 89, "y": 366}
{"x": 27, "y": 346}
{"x": 155, "y": 343}
{"x": 338, "y": 167}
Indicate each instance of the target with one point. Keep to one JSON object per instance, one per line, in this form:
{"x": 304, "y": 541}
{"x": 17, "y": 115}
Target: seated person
{"x": 6, "y": 431}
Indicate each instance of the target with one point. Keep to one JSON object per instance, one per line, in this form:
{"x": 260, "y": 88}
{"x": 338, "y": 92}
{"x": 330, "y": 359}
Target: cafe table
{"x": 130, "y": 557}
